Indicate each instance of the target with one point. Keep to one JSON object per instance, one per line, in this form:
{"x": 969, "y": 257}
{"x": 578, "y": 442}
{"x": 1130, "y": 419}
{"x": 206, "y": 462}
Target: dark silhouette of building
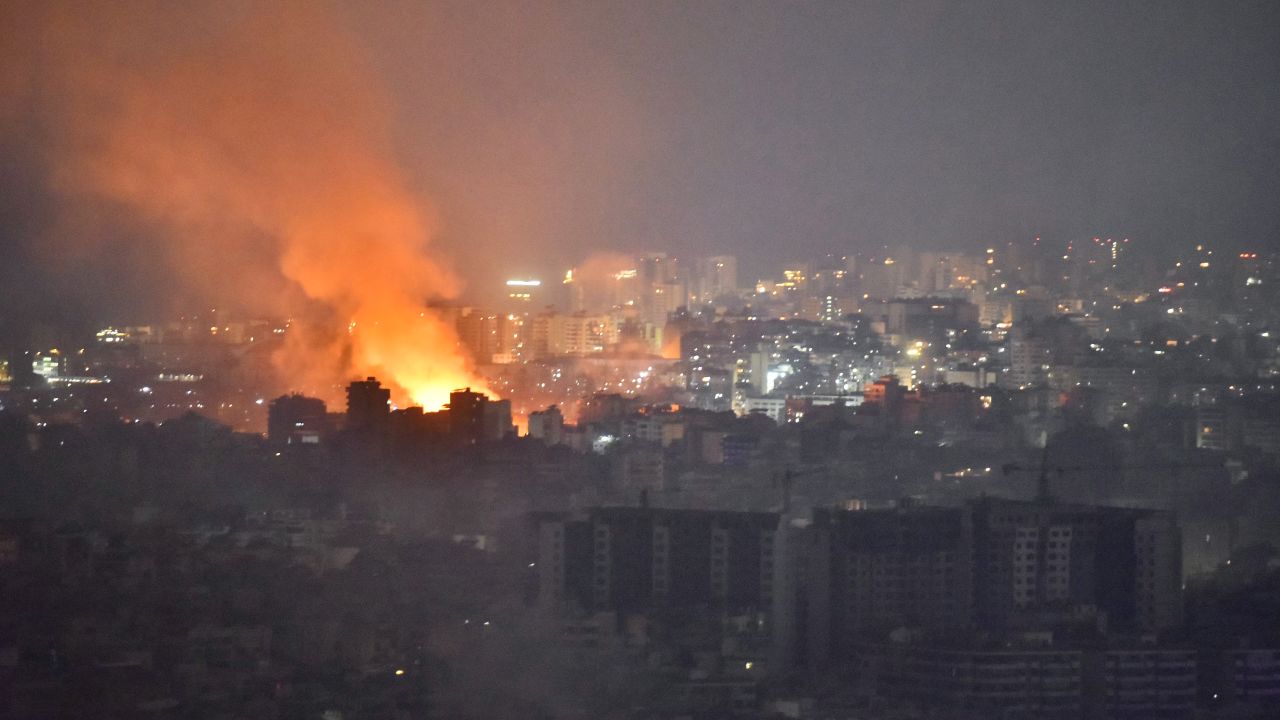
{"x": 497, "y": 420}
{"x": 466, "y": 415}
{"x": 1041, "y": 561}
{"x": 885, "y": 397}
{"x": 411, "y": 426}
{"x": 474, "y": 418}
{"x": 297, "y": 420}
{"x": 883, "y": 569}
{"x": 929, "y": 318}
{"x": 994, "y": 565}
{"x": 1044, "y": 681}
{"x": 368, "y": 405}
{"x": 640, "y": 559}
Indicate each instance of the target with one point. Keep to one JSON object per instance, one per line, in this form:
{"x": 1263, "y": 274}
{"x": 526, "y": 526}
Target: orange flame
{"x": 256, "y": 143}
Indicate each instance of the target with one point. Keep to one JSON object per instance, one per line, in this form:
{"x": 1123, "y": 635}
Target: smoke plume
{"x": 252, "y": 140}
{"x": 601, "y": 279}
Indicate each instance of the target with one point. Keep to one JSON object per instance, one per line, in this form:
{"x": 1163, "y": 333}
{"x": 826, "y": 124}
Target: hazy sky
{"x": 780, "y": 129}
{"x": 537, "y": 132}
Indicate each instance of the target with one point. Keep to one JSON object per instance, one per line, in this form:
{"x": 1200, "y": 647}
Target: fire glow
{"x": 257, "y": 149}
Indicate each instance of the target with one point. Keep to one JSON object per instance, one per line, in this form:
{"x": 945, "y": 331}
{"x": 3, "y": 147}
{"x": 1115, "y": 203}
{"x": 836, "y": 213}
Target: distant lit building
{"x": 47, "y": 365}
{"x": 713, "y": 278}
{"x": 773, "y": 408}
{"x": 661, "y": 291}
{"x": 112, "y": 336}
{"x": 931, "y": 319}
{"x": 553, "y": 334}
{"x": 1030, "y": 360}
{"x": 523, "y": 294}
{"x": 488, "y": 337}
{"x": 880, "y": 278}
{"x": 1034, "y": 558}
{"x": 1236, "y": 424}
{"x": 886, "y": 394}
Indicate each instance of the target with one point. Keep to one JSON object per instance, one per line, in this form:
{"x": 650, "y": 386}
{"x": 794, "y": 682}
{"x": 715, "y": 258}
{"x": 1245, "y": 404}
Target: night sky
{"x": 538, "y": 133}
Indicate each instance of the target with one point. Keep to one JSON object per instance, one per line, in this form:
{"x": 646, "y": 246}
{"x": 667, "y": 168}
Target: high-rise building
{"x": 713, "y": 278}
{"x": 948, "y": 271}
{"x": 1034, "y": 559}
{"x": 640, "y": 559}
{"x": 547, "y": 425}
{"x": 523, "y": 293}
{"x": 661, "y": 289}
{"x": 996, "y": 565}
{"x": 553, "y": 333}
{"x": 933, "y": 319}
{"x": 368, "y": 404}
{"x": 474, "y": 418}
{"x": 884, "y": 569}
{"x": 575, "y": 295}
{"x": 880, "y": 278}
{"x": 466, "y": 415}
{"x": 1030, "y": 359}
{"x": 486, "y": 337}
{"x": 48, "y": 365}
{"x": 296, "y": 420}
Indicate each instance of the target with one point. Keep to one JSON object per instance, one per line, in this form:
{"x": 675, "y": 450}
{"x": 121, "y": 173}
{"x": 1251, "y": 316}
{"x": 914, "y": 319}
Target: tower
{"x": 368, "y": 404}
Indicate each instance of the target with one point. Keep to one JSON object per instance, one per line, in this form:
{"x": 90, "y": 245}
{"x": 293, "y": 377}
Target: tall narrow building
{"x": 368, "y": 404}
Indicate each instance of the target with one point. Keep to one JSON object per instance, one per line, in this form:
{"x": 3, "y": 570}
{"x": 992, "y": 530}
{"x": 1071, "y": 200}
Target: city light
{"x": 838, "y": 363}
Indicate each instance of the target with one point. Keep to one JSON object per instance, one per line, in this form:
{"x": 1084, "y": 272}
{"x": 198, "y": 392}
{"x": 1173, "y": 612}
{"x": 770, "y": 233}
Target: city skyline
{"x": 669, "y": 360}
{"x": 748, "y": 129}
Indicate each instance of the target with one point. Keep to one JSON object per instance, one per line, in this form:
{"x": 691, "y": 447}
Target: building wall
{"x": 1148, "y": 682}
{"x": 1158, "y": 572}
{"x": 993, "y": 564}
{"x": 640, "y": 559}
{"x": 875, "y": 570}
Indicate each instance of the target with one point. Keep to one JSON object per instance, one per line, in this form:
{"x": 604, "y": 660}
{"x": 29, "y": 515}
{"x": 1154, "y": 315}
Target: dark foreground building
{"x": 994, "y": 565}
{"x": 633, "y": 560}
{"x": 297, "y": 420}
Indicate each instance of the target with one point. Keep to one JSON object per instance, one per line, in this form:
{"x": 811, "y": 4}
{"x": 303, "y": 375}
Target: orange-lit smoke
{"x": 254, "y": 139}
{"x": 601, "y": 279}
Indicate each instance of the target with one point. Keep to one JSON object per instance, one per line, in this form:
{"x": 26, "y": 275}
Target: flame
{"x": 521, "y": 421}
{"x": 255, "y": 145}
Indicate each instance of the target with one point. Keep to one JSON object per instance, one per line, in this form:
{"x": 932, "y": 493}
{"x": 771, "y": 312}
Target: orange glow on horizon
{"x": 260, "y": 152}
{"x": 414, "y": 354}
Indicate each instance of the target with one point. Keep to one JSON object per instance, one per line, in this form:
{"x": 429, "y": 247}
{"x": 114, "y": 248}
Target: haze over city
{"x": 548, "y": 132}
{"x": 639, "y": 360}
